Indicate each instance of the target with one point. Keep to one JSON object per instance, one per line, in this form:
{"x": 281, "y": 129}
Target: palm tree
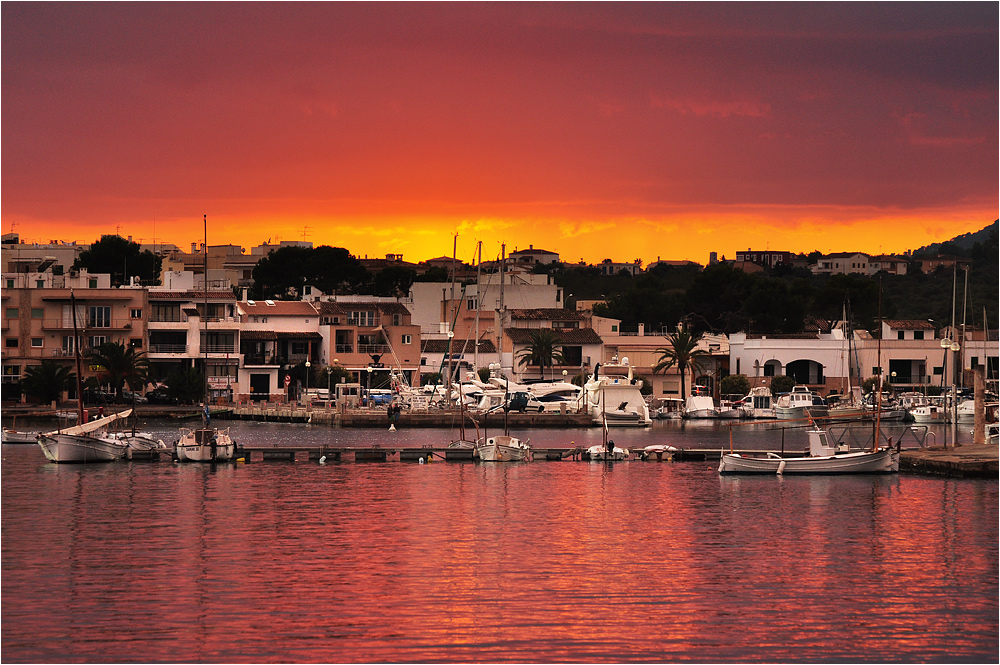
{"x": 47, "y": 381}
{"x": 683, "y": 353}
{"x": 120, "y": 365}
{"x": 543, "y": 349}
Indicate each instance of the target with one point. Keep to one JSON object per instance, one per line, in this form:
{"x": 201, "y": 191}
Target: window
{"x": 12, "y": 312}
{"x": 900, "y": 335}
{"x": 10, "y": 343}
{"x": 135, "y": 342}
{"x": 100, "y": 316}
{"x": 11, "y": 373}
{"x": 407, "y": 339}
{"x": 938, "y": 371}
{"x": 67, "y": 345}
{"x": 396, "y": 319}
{"x": 472, "y": 303}
{"x": 10, "y": 284}
{"x": 918, "y": 334}
{"x": 39, "y": 283}
{"x": 135, "y": 313}
{"x": 300, "y": 348}
{"x": 769, "y": 369}
{"x": 363, "y": 319}
{"x": 36, "y": 342}
{"x": 97, "y": 340}
{"x": 93, "y": 283}
{"x": 37, "y": 312}
{"x": 614, "y": 327}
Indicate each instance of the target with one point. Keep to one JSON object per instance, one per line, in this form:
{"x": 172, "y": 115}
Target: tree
{"x": 186, "y": 385}
{"x": 543, "y": 349}
{"x": 120, "y": 365}
{"x": 122, "y": 258}
{"x": 782, "y": 384}
{"x": 682, "y": 353}
{"x": 734, "y": 384}
{"x": 47, "y": 381}
{"x": 393, "y": 281}
{"x": 283, "y": 272}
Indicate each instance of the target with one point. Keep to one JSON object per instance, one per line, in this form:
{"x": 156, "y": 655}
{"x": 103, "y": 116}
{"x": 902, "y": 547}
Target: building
{"x": 579, "y": 343}
{"x": 532, "y": 256}
{"x": 371, "y": 338}
{"x": 609, "y": 267}
{"x": 767, "y": 258}
{"x": 38, "y": 321}
{"x": 275, "y": 335}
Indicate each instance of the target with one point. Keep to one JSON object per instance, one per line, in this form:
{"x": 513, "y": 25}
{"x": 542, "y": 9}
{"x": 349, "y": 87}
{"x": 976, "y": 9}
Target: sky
{"x": 624, "y": 130}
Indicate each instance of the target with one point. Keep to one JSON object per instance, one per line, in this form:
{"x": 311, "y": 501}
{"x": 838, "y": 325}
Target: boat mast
{"x": 878, "y": 395}
{"x": 204, "y": 351}
{"x": 79, "y": 365}
{"x": 479, "y": 305}
{"x": 500, "y": 318}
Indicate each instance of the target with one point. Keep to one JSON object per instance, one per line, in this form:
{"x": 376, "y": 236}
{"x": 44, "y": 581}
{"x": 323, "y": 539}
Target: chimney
{"x": 194, "y": 248}
{"x": 642, "y": 330}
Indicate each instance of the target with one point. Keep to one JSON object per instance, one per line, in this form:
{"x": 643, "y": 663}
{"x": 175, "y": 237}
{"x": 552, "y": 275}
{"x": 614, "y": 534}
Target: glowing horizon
{"x": 626, "y": 131}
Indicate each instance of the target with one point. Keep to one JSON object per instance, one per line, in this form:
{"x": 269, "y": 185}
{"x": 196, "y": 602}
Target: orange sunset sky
{"x": 624, "y": 131}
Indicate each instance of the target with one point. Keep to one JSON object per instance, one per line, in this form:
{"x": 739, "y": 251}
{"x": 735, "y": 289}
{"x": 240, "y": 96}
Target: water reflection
{"x": 544, "y": 561}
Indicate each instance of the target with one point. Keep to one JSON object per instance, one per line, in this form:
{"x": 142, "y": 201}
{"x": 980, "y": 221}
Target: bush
{"x": 735, "y": 384}
{"x": 782, "y": 384}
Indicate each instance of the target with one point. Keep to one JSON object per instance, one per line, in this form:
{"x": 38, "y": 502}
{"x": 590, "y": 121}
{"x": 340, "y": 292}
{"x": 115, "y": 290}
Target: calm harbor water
{"x": 545, "y": 561}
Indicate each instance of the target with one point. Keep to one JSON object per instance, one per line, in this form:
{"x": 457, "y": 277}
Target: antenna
{"x": 305, "y": 232}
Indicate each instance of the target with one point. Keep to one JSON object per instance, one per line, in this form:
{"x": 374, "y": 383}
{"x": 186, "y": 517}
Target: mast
{"x": 479, "y": 305}
{"x": 204, "y": 394}
{"x": 451, "y": 307}
{"x": 878, "y": 396}
{"x": 79, "y": 366}
{"x": 501, "y": 316}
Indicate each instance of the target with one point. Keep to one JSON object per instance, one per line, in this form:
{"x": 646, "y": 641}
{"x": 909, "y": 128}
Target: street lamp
{"x": 369, "y": 369}
{"x": 308, "y": 365}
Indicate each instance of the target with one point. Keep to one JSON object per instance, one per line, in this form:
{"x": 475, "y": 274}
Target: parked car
{"x": 522, "y": 402}
{"x": 160, "y": 396}
{"x": 129, "y": 397}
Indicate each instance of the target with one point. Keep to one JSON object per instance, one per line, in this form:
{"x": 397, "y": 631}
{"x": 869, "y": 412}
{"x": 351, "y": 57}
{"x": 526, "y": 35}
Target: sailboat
{"x": 503, "y": 447}
{"x": 823, "y": 457}
{"x": 83, "y": 442}
{"x": 205, "y": 444}
{"x": 462, "y": 441}
{"x": 606, "y": 451}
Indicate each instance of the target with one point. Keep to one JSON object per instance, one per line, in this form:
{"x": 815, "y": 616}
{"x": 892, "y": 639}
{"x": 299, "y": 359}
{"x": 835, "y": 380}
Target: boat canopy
{"x": 93, "y": 425}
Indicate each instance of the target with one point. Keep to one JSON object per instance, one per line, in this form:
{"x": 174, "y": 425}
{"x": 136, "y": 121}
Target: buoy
{"x": 322, "y": 460}
{"x": 392, "y": 428}
{"x": 421, "y": 460}
{"x": 781, "y": 467}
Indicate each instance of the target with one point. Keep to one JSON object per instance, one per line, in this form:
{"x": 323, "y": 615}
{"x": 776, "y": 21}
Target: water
{"x": 544, "y": 561}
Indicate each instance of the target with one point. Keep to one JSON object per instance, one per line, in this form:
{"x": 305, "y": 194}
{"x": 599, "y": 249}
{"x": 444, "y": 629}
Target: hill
{"x": 965, "y": 241}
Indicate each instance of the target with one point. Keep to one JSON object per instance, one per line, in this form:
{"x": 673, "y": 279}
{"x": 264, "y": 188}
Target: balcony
{"x": 218, "y": 348}
{"x": 168, "y": 348}
{"x": 344, "y": 348}
{"x": 373, "y": 348}
{"x": 265, "y": 360}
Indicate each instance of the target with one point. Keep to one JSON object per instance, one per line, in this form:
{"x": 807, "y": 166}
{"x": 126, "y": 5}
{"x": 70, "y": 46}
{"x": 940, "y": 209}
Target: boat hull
{"x": 12, "y": 436}
{"x": 601, "y": 454}
{"x": 205, "y": 445}
{"x": 880, "y": 461}
{"x": 75, "y": 449}
{"x": 502, "y": 448}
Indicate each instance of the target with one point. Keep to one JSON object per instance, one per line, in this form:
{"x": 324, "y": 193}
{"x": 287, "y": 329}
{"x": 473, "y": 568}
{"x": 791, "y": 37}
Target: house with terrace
{"x": 277, "y": 336}
{"x": 580, "y": 345}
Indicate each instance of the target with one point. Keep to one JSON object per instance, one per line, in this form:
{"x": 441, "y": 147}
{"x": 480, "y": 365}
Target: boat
{"x": 758, "y": 404}
{"x": 658, "y": 451}
{"x": 700, "y": 407}
{"x": 794, "y": 405}
{"x": 929, "y": 413}
{"x": 966, "y": 410}
{"x": 614, "y": 396}
{"x": 667, "y": 408}
{"x": 17, "y": 436}
{"x": 823, "y": 458}
{"x": 205, "y": 444}
{"x": 728, "y": 409}
{"x": 462, "y": 442}
{"x": 503, "y": 447}
{"x": 86, "y": 443}
{"x": 606, "y": 451}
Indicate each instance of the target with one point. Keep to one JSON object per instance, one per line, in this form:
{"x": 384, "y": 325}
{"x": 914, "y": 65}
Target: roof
{"x": 257, "y": 335}
{"x": 565, "y": 335}
{"x": 191, "y": 295}
{"x": 902, "y": 324}
{"x": 532, "y": 250}
{"x": 441, "y": 346}
{"x": 546, "y": 314}
{"x": 343, "y": 308}
{"x": 277, "y": 308}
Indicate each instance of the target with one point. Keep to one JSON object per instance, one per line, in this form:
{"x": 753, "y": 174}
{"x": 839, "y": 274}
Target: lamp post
{"x": 308, "y": 365}
{"x": 369, "y": 369}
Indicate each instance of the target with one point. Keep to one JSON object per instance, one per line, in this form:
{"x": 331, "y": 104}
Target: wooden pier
{"x": 377, "y": 417}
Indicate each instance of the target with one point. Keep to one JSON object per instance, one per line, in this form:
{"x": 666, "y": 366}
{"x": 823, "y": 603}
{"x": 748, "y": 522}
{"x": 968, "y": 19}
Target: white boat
{"x": 800, "y": 403}
{"x": 823, "y": 458}
{"x": 758, "y": 404}
{"x": 700, "y": 407}
{"x": 658, "y": 452}
{"x": 991, "y": 433}
{"x": 728, "y": 409}
{"x": 966, "y": 410}
{"x": 205, "y": 444}
{"x": 139, "y": 442}
{"x": 86, "y": 443}
{"x": 615, "y": 397}
{"x": 667, "y": 408}
{"x": 502, "y": 448}
{"x": 607, "y": 453}
{"x": 929, "y": 413}
{"x": 16, "y": 436}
